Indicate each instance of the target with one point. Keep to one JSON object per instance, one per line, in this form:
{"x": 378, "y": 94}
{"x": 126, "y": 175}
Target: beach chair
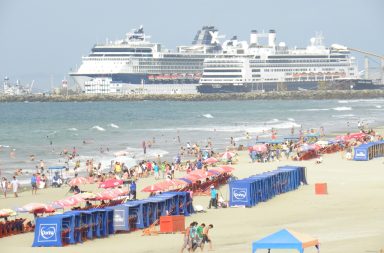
{"x": 151, "y": 230}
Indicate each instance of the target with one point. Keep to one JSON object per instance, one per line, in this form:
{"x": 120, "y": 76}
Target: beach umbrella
{"x": 322, "y": 143}
{"x": 152, "y": 188}
{"x": 120, "y": 191}
{"x": 210, "y": 160}
{"x": 260, "y": 148}
{"x": 78, "y": 181}
{"x": 219, "y": 169}
{"x": 171, "y": 183}
{"x": 7, "y": 212}
{"x": 194, "y": 177}
{"x": 202, "y": 173}
{"x": 65, "y": 203}
{"x": 214, "y": 172}
{"x": 227, "y": 168}
{"x": 108, "y": 194}
{"x": 227, "y": 155}
{"x": 37, "y": 208}
{"x": 111, "y": 183}
{"x": 85, "y": 195}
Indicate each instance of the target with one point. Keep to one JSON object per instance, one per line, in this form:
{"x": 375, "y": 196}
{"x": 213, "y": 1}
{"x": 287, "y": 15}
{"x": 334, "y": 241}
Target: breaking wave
{"x": 98, "y": 128}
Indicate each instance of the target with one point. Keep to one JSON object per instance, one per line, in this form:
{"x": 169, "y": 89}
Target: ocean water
{"x": 46, "y": 129}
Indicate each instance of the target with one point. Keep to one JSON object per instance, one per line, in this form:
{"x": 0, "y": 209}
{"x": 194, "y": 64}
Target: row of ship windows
{"x": 151, "y": 60}
{"x": 274, "y": 65}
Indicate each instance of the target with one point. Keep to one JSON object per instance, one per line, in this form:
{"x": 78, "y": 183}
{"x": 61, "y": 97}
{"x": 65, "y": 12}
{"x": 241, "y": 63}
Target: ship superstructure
{"x": 136, "y": 60}
{"x": 244, "y": 67}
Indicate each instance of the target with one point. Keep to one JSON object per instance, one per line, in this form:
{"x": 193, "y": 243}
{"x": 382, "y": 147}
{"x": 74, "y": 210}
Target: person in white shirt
{"x": 15, "y": 186}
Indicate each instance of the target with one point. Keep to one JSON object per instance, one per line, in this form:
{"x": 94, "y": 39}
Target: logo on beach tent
{"x": 361, "y": 153}
{"x": 118, "y": 217}
{"x": 239, "y": 194}
{"x": 48, "y": 232}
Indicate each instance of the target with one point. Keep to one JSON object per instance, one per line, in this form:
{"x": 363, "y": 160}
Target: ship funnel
{"x": 272, "y": 38}
{"x": 253, "y": 39}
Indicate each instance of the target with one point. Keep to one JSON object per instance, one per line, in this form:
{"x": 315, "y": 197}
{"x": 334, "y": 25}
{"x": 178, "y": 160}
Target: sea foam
{"x": 113, "y": 125}
{"x": 98, "y": 128}
{"x": 208, "y": 116}
{"x": 342, "y": 108}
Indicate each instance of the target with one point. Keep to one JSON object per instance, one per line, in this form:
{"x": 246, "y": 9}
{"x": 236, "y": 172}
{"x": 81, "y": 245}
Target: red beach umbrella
{"x": 111, "y": 183}
{"x": 227, "y": 168}
{"x": 193, "y": 177}
{"x": 152, "y": 188}
{"x": 120, "y": 192}
{"x": 78, "y": 181}
{"x": 210, "y": 160}
{"x": 202, "y": 173}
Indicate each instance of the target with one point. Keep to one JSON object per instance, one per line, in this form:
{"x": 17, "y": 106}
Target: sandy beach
{"x": 348, "y": 219}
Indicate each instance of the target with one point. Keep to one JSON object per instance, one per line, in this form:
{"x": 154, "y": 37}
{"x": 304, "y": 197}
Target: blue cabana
{"x": 77, "y": 225}
{"x": 120, "y": 217}
{"x": 93, "y": 223}
{"x": 285, "y": 239}
{"x": 56, "y": 230}
{"x": 102, "y": 223}
{"x": 262, "y": 187}
{"x": 138, "y": 211}
{"x": 368, "y": 151}
{"x": 110, "y": 217}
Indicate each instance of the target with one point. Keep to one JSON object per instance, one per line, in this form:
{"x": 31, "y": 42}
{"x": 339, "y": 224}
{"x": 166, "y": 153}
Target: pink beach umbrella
{"x": 202, "y": 174}
{"x": 261, "y": 148}
{"x": 194, "y": 177}
{"x": 227, "y": 168}
{"x": 120, "y": 192}
{"x": 228, "y": 155}
{"x": 37, "y": 208}
{"x": 210, "y": 160}
{"x": 111, "y": 183}
{"x": 78, "y": 181}
{"x": 152, "y": 188}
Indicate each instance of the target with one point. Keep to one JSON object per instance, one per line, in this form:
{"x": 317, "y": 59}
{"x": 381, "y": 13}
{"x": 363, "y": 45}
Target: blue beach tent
{"x": 120, "y": 217}
{"x": 368, "y": 151}
{"x": 48, "y": 231}
{"x": 139, "y": 210}
{"x": 77, "y": 225}
{"x": 286, "y": 239}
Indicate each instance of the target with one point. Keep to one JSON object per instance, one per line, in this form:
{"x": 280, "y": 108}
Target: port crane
{"x": 366, "y": 63}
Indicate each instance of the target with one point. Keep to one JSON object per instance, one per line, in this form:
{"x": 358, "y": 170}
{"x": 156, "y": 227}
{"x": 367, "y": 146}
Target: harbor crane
{"x": 366, "y": 64}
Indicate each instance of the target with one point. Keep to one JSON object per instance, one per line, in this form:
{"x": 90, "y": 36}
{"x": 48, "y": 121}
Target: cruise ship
{"x": 135, "y": 60}
{"x": 263, "y": 65}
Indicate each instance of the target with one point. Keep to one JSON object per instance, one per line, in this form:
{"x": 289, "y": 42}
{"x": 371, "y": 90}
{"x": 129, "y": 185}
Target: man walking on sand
{"x": 206, "y": 237}
{"x": 15, "y": 186}
{"x": 213, "y": 201}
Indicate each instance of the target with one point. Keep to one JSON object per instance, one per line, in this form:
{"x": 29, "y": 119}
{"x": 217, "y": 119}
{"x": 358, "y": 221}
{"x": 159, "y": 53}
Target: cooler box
{"x": 321, "y": 188}
{"x": 172, "y": 223}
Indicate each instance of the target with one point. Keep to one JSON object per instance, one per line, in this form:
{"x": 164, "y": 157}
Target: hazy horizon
{"x": 42, "y": 40}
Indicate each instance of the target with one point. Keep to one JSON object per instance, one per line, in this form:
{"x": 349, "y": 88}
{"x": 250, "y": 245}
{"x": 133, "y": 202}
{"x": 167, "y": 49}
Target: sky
{"x": 42, "y": 40}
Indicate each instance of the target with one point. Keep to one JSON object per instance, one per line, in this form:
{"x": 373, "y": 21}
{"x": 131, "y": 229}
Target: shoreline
{"x": 278, "y": 95}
